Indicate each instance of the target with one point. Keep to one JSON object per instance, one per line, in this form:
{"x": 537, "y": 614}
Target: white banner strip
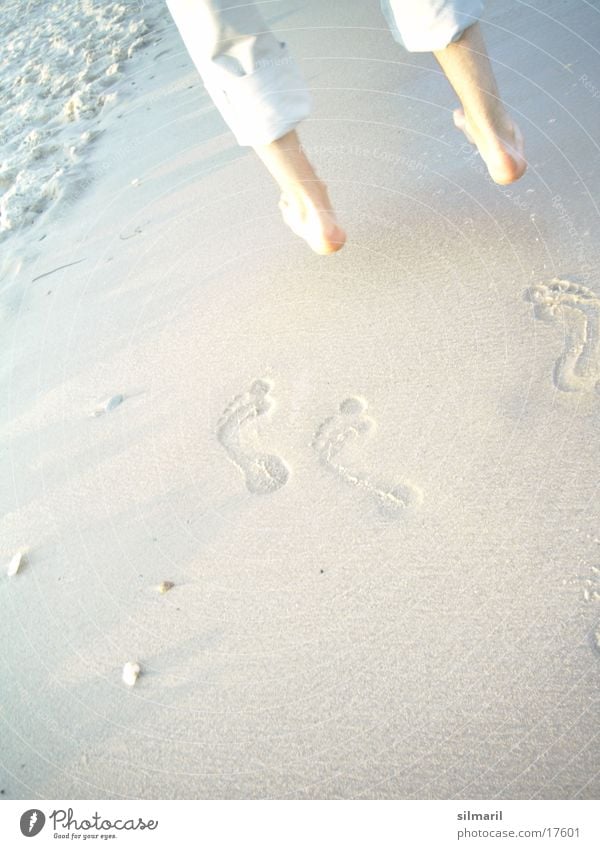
{"x": 266, "y": 824}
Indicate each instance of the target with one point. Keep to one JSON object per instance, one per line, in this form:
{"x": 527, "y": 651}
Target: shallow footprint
{"x": 266, "y": 473}
{"x": 337, "y": 431}
{"x": 342, "y": 430}
{"x": 578, "y": 308}
{"x": 393, "y": 501}
{"x": 262, "y": 472}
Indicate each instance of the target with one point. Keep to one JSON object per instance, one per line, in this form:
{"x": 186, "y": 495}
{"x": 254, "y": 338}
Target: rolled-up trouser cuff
{"x": 429, "y": 25}
{"x": 251, "y": 77}
{"x": 265, "y": 104}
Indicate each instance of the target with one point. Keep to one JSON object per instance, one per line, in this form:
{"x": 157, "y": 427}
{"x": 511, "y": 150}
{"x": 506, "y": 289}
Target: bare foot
{"x": 501, "y": 150}
{"x": 307, "y": 212}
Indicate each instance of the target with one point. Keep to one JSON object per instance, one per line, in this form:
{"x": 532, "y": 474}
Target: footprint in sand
{"x": 263, "y": 472}
{"x": 335, "y": 437}
{"x": 578, "y": 311}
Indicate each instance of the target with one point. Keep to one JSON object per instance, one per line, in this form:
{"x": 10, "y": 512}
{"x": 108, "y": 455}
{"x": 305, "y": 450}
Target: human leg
{"x": 258, "y": 89}
{"x": 450, "y": 30}
{"x": 304, "y": 203}
{"x": 483, "y": 118}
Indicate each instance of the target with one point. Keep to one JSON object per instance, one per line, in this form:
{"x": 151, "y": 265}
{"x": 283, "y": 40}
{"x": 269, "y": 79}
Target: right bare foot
{"x": 501, "y": 149}
{"x": 308, "y": 213}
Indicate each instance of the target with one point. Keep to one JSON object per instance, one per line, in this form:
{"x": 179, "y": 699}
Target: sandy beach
{"x": 370, "y": 480}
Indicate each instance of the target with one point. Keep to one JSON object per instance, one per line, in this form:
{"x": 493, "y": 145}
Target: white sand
{"x": 387, "y": 577}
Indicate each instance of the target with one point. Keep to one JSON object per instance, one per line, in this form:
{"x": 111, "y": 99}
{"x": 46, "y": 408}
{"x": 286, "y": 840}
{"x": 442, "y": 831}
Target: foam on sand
{"x": 60, "y": 67}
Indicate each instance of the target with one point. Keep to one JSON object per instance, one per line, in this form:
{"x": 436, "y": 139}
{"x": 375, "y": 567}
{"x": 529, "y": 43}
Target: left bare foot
{"x": 308, "y": 213}
{"x": 501, "y": 149}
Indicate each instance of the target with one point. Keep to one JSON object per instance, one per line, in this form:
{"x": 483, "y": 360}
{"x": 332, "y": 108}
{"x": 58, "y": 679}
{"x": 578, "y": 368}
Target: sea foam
{"x": 60, "y": 69}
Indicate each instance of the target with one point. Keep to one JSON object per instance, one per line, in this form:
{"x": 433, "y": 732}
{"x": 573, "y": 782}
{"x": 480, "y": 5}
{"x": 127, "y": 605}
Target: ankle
{"x": 307, "y": 192}
{"x": 495, "y": 126}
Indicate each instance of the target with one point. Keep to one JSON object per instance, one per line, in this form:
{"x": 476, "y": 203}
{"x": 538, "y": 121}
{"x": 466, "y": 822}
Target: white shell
{"x": 15, "y": 563}
{"x": 131, "y": 672}
{"x": 165, "y": 586}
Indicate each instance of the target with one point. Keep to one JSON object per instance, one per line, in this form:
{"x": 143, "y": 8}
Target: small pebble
{"x": 15, "y": 563}
{"x": 135, "y": 181}
{"x": 131, "y": 672}
{"x": 165, "y": 586}
{"x": 108, "y": 405}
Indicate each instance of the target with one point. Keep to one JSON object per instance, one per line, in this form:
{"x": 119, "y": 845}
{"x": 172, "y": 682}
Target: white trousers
{"x": 252, "y": 78}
